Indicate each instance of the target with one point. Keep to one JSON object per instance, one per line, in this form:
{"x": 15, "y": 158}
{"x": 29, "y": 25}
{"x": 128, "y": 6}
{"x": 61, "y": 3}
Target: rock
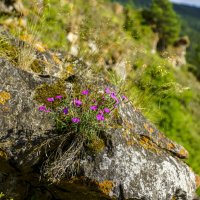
{"x": 120, "y": 69}
{"x": 138, "y": 162}
{"x": 155, "y": 40}
{"x": 137, "y": 167}
{"x": 196, "y": 197}
{"x": 179, "y": 51}
{"x": 12, "y": 7}
{"x": 93, "y": 47}
{"x": 19, "y": 114}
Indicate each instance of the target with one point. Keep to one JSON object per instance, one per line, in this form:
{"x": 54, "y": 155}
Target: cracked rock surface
{"x": 138, "y": 161}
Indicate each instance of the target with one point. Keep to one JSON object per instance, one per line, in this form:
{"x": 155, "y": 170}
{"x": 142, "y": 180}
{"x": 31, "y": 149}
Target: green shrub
{"x": 168, "y": 98}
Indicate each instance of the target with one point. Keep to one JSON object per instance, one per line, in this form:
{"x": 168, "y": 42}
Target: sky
{"x": 188, "y": 2}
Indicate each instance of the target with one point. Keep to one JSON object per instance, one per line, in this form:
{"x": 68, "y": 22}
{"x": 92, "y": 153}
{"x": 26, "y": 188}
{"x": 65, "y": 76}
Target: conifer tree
{"x": 165, "y": 21}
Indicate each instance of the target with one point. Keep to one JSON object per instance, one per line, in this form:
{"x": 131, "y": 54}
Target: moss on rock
{"x": 37, "y": 67}
{"x": 45, "y": 91}
{"x": 96, "y": 145}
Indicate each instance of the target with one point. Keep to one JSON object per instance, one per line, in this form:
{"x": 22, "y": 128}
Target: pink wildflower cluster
{"x": 100, "y": 106}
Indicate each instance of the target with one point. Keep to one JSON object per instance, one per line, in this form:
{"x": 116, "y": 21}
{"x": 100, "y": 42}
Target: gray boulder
{"x": 138, "y": 162}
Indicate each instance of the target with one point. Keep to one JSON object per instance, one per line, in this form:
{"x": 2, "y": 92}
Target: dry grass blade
{"x": 26, "y": 56}
{"x": 64, "y": 160}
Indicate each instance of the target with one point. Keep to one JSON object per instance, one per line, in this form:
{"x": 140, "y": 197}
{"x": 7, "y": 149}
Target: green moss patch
{"x": 45, "y": 91}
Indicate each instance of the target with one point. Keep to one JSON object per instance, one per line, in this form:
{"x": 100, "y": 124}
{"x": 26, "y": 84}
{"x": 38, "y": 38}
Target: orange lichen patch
{"x": 144, "y": 140}
{"x": 183, "y": 153}
{"x": 4, "y": 97}
{"x": 148, "y": 128}
{"x": 106, "y": 186}
{"x": 146, "y": 143}
{"x": 151, "y": 130}
{"x": 130, "y": 142}
{"x": 170, "y": 146}
{"x": 197, "y": 179}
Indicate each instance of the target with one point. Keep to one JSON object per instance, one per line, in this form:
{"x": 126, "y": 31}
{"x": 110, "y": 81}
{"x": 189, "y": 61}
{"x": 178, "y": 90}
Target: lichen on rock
{"x": 136, "y": 161}
{"x": 4, "y": 97}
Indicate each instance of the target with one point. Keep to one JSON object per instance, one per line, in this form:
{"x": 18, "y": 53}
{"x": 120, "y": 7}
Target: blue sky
{"x": 189, "y": 2}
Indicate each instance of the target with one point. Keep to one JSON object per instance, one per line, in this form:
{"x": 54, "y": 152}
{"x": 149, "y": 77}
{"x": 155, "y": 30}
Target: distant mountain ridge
{"x": 187, "y": 10}
{"x": 190, "y": 14}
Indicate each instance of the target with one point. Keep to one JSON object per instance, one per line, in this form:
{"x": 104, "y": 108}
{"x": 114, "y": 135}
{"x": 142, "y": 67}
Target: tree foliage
{"x": 165, "y": 22}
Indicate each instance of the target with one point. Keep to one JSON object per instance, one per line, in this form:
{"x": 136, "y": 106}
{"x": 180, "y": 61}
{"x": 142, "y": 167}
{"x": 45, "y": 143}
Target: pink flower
{"x": 58, "y": 97}
{"x": 47, "y": 111}
{"x": 85, "y": 92}
{"x": 113, "y": 96}
{"x": 65, "y": 111}
{"x": 124, "y": 97}
{"x": 51, "y": 99}
{"x": 100, "y": 117}
{"x": 77, "y": 102}
{"x": 106, "y": 110}
{"x": 93, "y": 107}
{"x": 107, "y": 90}
{"x": 76, "y": 120}
{"x": 42, "y": 108}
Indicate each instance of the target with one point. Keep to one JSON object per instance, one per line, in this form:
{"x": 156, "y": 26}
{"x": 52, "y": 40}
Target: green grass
{"x": 170, "y": 99}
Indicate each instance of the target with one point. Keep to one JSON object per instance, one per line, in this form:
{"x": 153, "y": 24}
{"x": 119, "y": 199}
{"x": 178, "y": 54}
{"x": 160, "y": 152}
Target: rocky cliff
{"x": 137, "y": 161}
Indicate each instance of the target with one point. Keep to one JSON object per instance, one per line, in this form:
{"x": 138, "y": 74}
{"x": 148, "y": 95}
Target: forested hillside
{"x": 191, "y": 26}
{"x": 189, "y": 17}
